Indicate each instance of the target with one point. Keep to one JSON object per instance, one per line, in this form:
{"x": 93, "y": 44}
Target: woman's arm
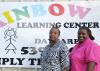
{"x": 64, "y": 60}
{"x": 90, "y": 66}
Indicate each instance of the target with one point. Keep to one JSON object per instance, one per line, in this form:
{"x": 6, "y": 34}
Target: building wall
{"x": 29, "y": 69}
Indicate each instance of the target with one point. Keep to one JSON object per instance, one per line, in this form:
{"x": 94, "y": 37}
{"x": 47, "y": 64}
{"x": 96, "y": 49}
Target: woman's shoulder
{"x": 62, "y": 43}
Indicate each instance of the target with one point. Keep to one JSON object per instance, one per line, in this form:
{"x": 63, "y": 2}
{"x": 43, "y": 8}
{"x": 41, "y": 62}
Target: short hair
{"x": 88, "y": 31}
{"x": 55, "y": 28}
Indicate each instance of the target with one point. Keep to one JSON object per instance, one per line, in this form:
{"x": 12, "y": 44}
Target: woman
{"x": 85, "y": 55}
{"x": 54, "y": 55}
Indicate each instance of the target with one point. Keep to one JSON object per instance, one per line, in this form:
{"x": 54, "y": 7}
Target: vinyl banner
{"x": 24, "y": 28}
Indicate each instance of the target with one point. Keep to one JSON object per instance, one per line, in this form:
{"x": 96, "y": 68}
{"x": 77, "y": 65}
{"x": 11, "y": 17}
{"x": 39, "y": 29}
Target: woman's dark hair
{"x": 88, "y": 31}
{"x": 54, "y": 26}
{"x": 70, "y": 50}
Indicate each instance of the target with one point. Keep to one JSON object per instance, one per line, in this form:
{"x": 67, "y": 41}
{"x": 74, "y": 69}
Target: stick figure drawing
{"x": 10, "y": 35}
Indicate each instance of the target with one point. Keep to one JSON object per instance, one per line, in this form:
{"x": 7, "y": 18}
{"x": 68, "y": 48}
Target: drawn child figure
{"x": 10, "y": 35}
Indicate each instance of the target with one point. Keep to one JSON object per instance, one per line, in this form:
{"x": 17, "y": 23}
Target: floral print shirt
{"x": 55, "y": 58}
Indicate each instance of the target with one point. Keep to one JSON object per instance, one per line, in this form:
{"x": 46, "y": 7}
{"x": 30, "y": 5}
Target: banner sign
{"x": 24, "y": 28}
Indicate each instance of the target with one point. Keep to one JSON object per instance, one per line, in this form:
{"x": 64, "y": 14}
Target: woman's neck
{"x": 52, "y": 43}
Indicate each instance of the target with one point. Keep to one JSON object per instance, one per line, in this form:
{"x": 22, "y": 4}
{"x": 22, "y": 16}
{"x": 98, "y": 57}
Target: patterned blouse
{"x": 55, "y": 58}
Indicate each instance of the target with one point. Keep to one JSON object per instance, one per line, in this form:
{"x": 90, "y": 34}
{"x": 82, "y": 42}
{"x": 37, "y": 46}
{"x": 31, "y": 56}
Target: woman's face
{"x": 54, "y": 35}
{"x": 10, "y": 33}
{"x": 82, "y": 35}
